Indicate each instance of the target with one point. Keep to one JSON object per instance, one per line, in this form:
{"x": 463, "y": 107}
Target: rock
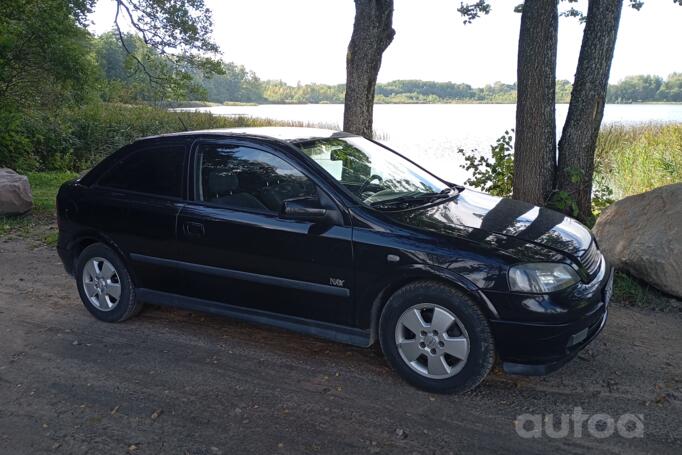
{"x": 15, "y": 193}
{"x": 642, "y": 235}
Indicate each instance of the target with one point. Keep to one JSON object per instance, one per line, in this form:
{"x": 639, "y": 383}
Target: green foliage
{"x": 671, "y": 89}
{"x": 564, "y": 202}
{"x": 637, "y": 158}
{"x": 646, "y": 88}
{"x": 628, "y": 290}
{"x": 493, "y": 174}
{"x": 74, "y": 139}
{"x": 35, "y": 139}
{"x": 177, "y": 30}
{"x": 124, "y": 82}
{"x": 234, "y": 83}
{"x": 602, "y": 196}
{"x": 241, "y": 85}
{"x": 634, "y": 88}
{"x": 15, "y": 146}
{"x": 45, "y": 56}
{"x": 44, "y": 186}
{"x": 472, "y": 11}
{"x": 563, "y": 91}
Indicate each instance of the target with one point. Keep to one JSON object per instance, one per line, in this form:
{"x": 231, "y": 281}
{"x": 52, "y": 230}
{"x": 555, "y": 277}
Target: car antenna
{"x": 183, "y": 123}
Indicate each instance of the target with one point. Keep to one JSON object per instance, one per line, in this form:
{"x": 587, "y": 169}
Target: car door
{"x": 238, "y": 250}
{"x": 135, "y": 205}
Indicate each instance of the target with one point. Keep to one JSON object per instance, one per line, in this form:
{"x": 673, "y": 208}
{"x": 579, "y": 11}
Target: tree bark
{"x": 586, "y": 109}
{"x": 535, "y": 143}
{"x": 372, "y": 34}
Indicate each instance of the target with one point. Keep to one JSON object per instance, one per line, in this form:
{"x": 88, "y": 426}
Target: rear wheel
{"x": 436, "y": 337}
{"x": 104, "y": 284}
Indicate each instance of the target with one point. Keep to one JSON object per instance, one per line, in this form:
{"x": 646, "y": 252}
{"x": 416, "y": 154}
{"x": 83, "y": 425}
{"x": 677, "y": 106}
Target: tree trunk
{"x": 372, "y": 34}
{"x": 579, "y": 137}
{"x": 535, "y": 143}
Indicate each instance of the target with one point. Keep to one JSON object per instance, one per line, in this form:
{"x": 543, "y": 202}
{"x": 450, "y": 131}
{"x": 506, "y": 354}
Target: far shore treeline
{"x": 237, "y": 84}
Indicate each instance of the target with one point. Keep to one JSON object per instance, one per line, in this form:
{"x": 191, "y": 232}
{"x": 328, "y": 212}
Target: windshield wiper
{"x": 416, "y": 197}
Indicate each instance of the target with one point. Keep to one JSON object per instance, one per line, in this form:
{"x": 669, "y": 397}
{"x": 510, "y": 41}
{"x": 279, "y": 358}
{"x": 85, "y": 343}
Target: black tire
{"x": 126, "y": 305}
{"x": 481, "y": 352}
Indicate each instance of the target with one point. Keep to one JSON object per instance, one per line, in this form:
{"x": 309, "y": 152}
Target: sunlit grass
{"x": 44, "y": 186}
{"x": 638, "y": 158}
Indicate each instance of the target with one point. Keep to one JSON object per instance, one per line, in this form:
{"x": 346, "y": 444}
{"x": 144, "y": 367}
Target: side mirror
{"x": 303, "y": 209}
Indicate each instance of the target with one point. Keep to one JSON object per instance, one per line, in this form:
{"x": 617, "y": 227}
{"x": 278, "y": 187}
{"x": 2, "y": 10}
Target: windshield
{"x": 375, "y": 174}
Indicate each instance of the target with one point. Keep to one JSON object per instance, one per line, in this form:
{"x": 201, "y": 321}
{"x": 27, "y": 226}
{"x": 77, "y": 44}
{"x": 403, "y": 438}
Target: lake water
{"x": 432, "y": 133}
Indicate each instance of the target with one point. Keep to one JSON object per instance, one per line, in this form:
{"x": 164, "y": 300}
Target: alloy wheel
{"x": 432, "y": 341}
{"x": 101, "y": 283}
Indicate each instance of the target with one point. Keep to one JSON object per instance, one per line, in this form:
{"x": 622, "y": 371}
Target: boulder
{"x": 15, "y": 193}
{"x": 642, "y": 235}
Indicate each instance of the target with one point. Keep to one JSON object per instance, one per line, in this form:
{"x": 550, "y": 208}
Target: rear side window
{"x": 155, "y": 171}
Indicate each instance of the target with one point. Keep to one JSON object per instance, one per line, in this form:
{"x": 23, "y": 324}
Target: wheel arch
{"x": 86, "y": 238}
{"x": 425, "y": 273}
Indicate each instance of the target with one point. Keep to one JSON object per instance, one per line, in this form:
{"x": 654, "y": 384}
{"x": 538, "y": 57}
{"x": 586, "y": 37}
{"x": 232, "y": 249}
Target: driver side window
{"x": 246, "y": 178}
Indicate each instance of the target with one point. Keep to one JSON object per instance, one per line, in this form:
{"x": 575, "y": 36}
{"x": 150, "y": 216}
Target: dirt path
{"x": 174, "y": 382}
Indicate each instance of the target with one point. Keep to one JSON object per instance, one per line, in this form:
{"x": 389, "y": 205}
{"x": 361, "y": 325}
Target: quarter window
{"x": 153, "y": 171}
{"x": 247, "y": 178}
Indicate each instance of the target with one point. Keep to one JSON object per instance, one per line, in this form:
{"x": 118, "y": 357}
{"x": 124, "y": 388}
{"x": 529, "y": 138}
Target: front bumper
{"x": 536, "y": 348}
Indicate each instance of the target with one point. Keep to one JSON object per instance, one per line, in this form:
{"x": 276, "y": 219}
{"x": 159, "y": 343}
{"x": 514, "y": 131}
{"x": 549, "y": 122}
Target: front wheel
{"x": 104, "y": 284}
{"x": 436, "y": 338}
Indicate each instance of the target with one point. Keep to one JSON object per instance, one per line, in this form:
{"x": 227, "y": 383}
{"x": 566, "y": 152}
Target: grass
{"x": 630, "y": 291}
{"x": 39, "y": 224}
{"x": 637, "y": 158}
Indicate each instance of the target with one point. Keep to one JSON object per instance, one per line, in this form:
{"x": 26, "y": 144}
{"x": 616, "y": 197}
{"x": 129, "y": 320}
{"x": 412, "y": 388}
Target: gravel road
{"x": 171, "y": 381}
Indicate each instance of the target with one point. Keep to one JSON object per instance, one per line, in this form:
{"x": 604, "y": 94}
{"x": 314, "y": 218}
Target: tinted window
{"x": 242, "y": 177}
{"x": 153, "y": 171}
{"x": 372, "y": 172}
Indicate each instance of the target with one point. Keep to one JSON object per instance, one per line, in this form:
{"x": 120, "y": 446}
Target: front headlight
{"x": 541, "y": 277}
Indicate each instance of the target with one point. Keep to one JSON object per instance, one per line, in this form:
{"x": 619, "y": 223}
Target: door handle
{"x": 193, "y": 229}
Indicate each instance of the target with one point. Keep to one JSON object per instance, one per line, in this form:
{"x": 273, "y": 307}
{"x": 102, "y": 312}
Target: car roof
{"x": 282, "y": 133}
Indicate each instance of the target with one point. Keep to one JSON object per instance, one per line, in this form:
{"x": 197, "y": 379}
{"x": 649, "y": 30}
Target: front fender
{"x": 372, "y": 300}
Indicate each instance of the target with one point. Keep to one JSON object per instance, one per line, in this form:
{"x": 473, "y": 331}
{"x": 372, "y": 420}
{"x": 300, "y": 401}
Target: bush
{"x": 493, "y": 175}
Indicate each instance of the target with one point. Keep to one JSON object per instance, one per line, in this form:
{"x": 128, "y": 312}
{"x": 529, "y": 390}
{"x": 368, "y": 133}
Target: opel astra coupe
{"x": 333, "y": 235}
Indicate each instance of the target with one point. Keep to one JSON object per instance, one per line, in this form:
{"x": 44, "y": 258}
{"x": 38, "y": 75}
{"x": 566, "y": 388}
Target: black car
{"x": 337, "y": 236}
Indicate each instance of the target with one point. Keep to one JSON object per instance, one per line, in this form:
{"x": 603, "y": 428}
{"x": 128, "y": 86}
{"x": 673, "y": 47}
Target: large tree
{"x": 586, "y": 109}
{"x": 372, "y": 34}
{"x": 535, "y": 143}
{"x": 43, "y": 53}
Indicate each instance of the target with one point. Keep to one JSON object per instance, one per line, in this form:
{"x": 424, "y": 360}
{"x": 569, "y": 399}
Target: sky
{"x": 305, "y": 40}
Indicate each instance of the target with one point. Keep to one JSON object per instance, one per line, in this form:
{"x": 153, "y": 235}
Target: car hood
{"x": 475, "y": 216}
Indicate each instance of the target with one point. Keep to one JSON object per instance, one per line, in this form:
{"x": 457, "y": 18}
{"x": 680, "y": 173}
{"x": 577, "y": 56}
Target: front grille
{"x": 591, "y": 260}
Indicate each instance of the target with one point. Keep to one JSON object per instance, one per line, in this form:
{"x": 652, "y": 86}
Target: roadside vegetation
{"x": 636, "y": 158}
{"x": 40, "y": 223}
{"x": 73, "y": 139}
